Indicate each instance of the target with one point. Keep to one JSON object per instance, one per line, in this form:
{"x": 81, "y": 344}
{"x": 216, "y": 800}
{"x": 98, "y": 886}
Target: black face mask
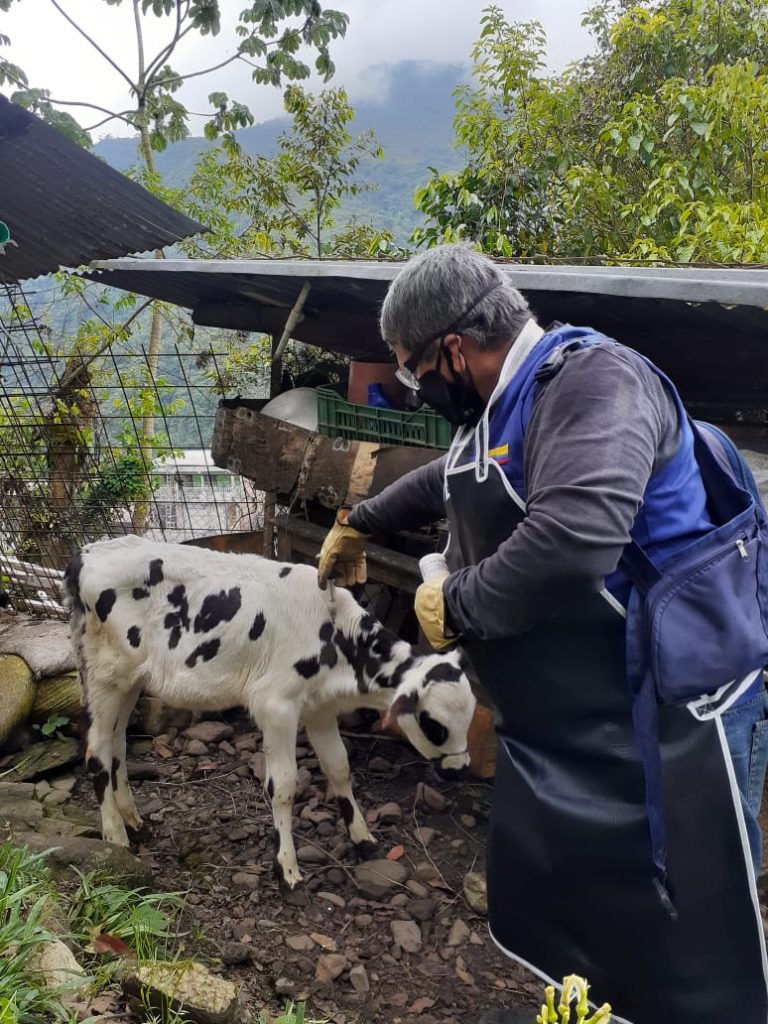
{"x": 457, "y": 400}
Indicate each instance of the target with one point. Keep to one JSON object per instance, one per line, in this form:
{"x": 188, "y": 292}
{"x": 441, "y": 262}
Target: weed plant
{"x": 26, "y": 896}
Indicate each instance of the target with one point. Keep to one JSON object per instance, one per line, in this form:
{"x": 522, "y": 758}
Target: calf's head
{"x": 433, "y": 705}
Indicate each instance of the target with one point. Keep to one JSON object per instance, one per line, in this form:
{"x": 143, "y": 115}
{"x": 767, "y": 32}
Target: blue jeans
{"x": 746, "y": 729}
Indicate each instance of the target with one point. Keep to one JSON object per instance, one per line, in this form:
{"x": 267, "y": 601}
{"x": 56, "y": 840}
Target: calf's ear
{"x": 405, "y": 704}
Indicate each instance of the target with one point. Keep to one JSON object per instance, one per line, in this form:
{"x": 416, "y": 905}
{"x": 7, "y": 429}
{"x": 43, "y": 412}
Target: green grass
{"x": 149, "y": 924}
{"x": 25, "y": 903}
{"x": 292, "y": 1014}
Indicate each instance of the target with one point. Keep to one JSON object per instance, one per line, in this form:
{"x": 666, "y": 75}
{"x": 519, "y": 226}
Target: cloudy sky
{"x": 381, "y": 32}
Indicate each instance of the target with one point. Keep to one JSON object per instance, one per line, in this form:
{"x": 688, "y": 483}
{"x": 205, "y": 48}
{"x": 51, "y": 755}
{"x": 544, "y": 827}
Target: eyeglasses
{"x": 406, "y": 373}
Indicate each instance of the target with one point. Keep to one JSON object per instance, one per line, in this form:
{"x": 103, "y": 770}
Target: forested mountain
{"x": 412, "y": 120}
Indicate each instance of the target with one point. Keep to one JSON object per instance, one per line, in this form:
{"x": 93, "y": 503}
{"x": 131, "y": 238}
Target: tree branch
{"x": 93, "y": 43}
{"x": 140, "y": 52}
{"x": 85, "y": 361}
{"x": 158, "y": 61}
{"x": 106, "y": 120}
{"x": 112, "y": 114}
{"x": 235, "y": 56}
{"x": 207, "y": 71}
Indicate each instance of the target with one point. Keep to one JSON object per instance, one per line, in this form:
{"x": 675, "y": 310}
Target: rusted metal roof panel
{"x": 65, "y": 207}
{"x": 707, "y": 328}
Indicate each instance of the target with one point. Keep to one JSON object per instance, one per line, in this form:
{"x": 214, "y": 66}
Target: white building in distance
{"x": 192, "y": 498}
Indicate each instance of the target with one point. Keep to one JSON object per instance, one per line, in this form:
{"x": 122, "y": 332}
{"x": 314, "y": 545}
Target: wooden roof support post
{"x": 293, "y": 319}
{"x": 275, "y": 376}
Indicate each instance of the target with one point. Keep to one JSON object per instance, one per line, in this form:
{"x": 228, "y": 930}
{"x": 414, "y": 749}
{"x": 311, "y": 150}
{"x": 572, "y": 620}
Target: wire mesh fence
{"x": 102, "y": 440}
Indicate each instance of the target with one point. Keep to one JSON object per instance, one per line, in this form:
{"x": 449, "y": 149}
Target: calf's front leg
{"x": 279, "y": 725}
{"x": 323, "y": 733}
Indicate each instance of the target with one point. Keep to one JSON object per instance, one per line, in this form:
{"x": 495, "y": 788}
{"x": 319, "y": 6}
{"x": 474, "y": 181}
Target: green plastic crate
{"x": 339, "y": 418}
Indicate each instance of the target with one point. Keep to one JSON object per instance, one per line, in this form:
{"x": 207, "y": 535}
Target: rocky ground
{"x": 401, "y": 939}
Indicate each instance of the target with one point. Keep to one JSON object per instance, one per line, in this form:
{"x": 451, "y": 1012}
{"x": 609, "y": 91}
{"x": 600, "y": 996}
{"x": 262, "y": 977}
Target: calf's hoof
{"x": 368, "y": 849}
{"x": 133, "y": 821}
{"x": 288, "y": 879}
{"x": 117, "y": 836}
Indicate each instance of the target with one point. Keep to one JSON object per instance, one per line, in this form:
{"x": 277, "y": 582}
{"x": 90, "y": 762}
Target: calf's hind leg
{"x": 104, "y": 707}
{"x": 323, "y": 733}
{"x": 119, "y": 771}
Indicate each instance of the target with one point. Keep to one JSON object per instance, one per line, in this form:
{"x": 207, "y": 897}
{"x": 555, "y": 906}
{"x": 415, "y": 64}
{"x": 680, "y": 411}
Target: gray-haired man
{"x": 569, "y": 446}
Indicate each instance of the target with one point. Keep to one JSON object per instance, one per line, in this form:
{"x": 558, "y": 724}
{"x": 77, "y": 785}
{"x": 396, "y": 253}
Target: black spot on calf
{"x": 326, "y": 631}
{"x": 172, "y": 622}
{"x": 72, "y": 581}
{"x": 285, "y": 571}
{"x": 206, "y": 651}
{"x": 179, "y": 619}
{"x": 257, "y": 628}
{"x": 435, "y": 731}
{"x": 307, "y": 667}
{"x": 115, "y": 766}
{"x": 399, "y": 673}
{"x": 100, "y": 778}
{"x": 105, "y": 603}
{"x": 217, "y": 608}
{"x": 329, "y": 655}
{"x": 155, "y": 573}
{"x": 178, "y": 598}
{"x": 443, "y": 674}
{"x": 405, "y": 704}
{"x": 354, "y": 654}
{"x": 346, "y": 809}
{"x": 383, "y": 644}
{"x": 139, "y": 593}
{"x": 134, "y": 636}
{"x": 278, "y": 867}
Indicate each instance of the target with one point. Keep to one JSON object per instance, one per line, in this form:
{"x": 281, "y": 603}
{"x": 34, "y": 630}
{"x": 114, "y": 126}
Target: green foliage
{"x": 39, "y": 100}
{"x": 55, "y": 457}
{"x": 286, "y": 205}
{"x": 101, "y": 916}
{"x": 652, "y": 149}
{"x": 574, "y": 988}
{"x": 52, "y": 725}
{"x": 294, "y": 1013}
{"x": 146, "y": 922}
{"x": 261, "y": 40}
{"x": 25, "y": 897}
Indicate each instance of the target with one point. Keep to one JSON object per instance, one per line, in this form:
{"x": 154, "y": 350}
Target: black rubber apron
{"x": 569, "y": 861}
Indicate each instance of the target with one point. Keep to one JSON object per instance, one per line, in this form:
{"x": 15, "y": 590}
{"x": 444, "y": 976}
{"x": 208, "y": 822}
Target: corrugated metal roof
{"x": 707, "y": 328}
{"x": 65, "y": 207}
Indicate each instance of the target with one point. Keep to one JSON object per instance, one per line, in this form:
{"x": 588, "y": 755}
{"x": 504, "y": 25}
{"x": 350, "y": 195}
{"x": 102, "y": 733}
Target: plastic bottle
{"x": 377, "y": 397}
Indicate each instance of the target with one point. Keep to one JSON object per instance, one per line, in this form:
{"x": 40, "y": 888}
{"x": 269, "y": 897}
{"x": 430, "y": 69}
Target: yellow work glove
{"x": 342, "y": 556}
{"x": 430, "y": 611}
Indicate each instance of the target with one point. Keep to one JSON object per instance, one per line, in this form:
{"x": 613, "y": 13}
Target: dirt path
{"x": 413, "y": 951}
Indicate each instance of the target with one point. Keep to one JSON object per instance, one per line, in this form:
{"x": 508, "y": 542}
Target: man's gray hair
{"x": 437, "y": 286}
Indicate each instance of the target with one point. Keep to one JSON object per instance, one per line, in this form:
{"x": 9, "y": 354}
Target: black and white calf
{"x": 208, "y": 631}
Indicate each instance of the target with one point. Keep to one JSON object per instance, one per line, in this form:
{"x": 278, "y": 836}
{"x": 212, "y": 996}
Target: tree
{"x": 286, "y": 205}
{"x": 266, "y": 39}
{"x": 650, "y": 149}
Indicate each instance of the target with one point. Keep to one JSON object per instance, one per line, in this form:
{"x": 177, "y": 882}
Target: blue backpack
{"x": 697, "y": 621}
